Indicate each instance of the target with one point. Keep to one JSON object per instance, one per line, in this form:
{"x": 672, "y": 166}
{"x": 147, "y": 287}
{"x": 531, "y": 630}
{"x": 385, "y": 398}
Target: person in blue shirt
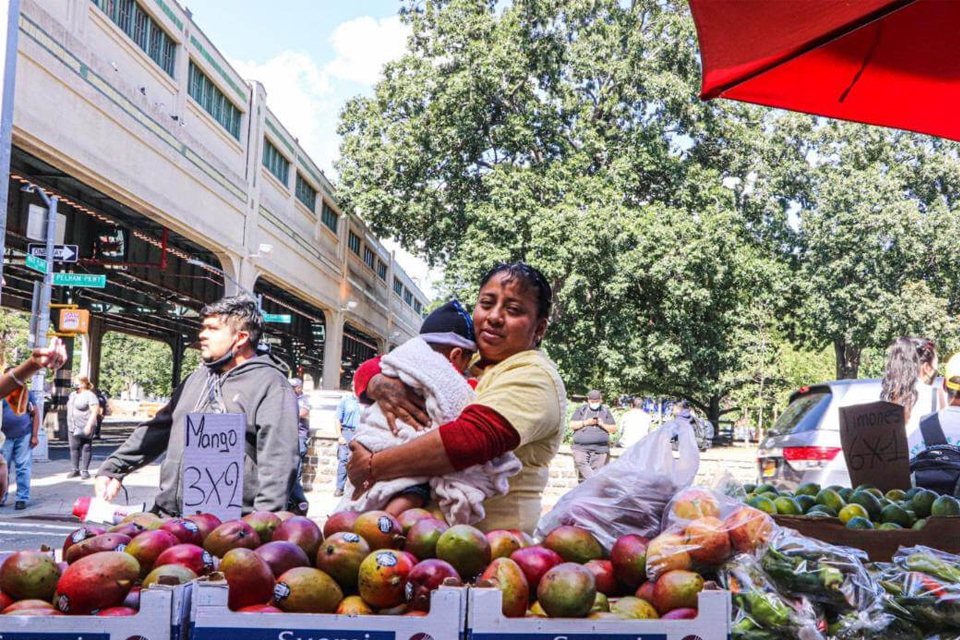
{"x": 21, "y": 437}
{"x": 348, "y": 417}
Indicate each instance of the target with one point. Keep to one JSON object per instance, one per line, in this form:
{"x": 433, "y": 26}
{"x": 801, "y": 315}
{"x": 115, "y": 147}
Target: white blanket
{"x": 460, "y": 494}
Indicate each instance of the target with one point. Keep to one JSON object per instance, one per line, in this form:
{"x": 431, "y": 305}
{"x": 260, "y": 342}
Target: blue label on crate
{"x": 55, "y": 635}
{"x": 199, "y": 632}
{"x": 566, "y": 636}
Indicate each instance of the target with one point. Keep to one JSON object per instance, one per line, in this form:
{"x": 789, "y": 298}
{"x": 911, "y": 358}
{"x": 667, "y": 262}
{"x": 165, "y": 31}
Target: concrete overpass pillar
{"x": 332, "y": 349}
{"x": 91, "y": 349}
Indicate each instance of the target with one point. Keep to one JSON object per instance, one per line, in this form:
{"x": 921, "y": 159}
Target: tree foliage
{"x": 696, "y": 250}
{"x": 127, "y": 361}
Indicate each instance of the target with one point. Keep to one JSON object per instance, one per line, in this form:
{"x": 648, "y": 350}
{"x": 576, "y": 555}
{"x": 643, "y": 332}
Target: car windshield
{"x": 803, "y": 414}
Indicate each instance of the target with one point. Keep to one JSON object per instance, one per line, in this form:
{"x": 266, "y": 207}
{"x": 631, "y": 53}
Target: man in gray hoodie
{"x": 234, "y": 378}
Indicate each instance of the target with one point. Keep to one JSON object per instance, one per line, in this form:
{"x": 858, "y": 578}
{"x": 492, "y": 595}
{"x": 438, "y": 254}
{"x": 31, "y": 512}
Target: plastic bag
{"x": 759, "y": 611}
{"x": 703, "y": 528}
{"x": 629, "y": 494}
{"x": 924, "y": 583}
{"x": 833, "y": 576}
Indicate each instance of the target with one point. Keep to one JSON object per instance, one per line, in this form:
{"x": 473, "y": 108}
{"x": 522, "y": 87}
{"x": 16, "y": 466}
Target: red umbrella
{"x": 894, "y": 63}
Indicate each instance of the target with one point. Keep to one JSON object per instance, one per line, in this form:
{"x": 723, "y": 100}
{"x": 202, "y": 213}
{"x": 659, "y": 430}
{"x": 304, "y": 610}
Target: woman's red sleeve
{"x": 362, "y": 377}
{"x": 478, "y": 435}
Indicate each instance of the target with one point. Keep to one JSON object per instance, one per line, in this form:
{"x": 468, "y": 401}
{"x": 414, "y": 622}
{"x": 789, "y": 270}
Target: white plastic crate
{"x": 162, "y": 616}
{"x": 211, "y": 620}
{"x": 487, "y": 622}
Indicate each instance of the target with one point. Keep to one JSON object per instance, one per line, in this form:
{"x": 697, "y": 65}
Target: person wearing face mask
{"x": 592, "y": 424}
{"x": 235, "y": 377}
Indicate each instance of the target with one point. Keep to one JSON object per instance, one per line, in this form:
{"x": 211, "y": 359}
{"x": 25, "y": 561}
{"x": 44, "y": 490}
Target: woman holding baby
{"x": 519, "y": 404}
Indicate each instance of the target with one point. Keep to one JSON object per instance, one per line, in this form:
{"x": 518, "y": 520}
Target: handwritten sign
{"x": 874, "y": 441}
{"x": 213, "y": 464}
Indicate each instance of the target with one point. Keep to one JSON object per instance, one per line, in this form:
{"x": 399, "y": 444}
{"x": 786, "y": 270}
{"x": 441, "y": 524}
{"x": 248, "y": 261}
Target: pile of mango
{"x": 864, "y": 507}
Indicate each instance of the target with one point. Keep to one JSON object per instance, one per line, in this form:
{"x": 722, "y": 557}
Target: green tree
{"x": 128, "y": 360}
{"x": 569, "y": 134}
{"x": 14, "y": 330}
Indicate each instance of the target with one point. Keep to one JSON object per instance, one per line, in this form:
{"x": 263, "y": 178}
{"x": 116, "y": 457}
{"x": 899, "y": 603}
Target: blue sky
{"x": 311, "y": 56}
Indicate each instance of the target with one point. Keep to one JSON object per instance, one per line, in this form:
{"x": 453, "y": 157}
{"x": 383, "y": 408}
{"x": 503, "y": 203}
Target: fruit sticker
{"x": 352, "y": 537}
{"x": 79, "y": 535}
{"x": 191, "y": 526}
{"x": 63, "y": 603}
{"x": 280, "y": 592}
{"x": 120, "y": 547}
{"x": 384, "y": 524}
{"x": 386, "y": 559}
{"x": 207, "y": 560}
{"x": 408, "y": 591}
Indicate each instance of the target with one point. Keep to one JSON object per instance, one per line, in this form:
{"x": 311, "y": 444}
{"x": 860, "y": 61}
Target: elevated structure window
{"x": 354, "y": 243}
{"x": 329, "y": 217}
{"x": 407, "y": 296}
{"x": 397, "y": 286}
{"x": 417, "y": 306}
{"x": 306, "y": 194}
{"x": 382, "y": 270}
{"x": 368, "y": 257}
{"x": 275, "y": 163}
{"x": 143, "y": 30}
{"x": 213, "y": 101}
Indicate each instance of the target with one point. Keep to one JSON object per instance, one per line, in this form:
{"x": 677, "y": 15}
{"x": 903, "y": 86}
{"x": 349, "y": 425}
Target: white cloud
{"x": 363, "y": 45}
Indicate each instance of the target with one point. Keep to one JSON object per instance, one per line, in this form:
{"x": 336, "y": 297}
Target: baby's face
{"x": 460, "y": 358}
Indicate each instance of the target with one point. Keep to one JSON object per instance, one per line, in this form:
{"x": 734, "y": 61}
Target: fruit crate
{"x": 211, "y": 620}
{"x": 486, "y": 622}
{"x": 162, "y": 616}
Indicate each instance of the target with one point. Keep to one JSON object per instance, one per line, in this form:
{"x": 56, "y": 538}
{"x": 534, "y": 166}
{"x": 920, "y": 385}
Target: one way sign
{"x": 61, "y": 252}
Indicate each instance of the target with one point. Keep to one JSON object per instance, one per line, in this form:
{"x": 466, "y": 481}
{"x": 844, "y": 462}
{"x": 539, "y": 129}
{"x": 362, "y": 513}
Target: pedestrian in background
{"x": 908, "y": 377}
{"x": 634, "y": 425}
{"x": 592, "y": 424}
{"x": 348, "y": 417}
{"x": 83, "y": 407}
{"x": 21, "y": 437}
{"x": 298, "y": 499}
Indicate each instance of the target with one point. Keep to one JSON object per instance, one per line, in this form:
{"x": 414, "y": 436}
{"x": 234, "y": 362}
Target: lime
{"x": 766, "y": 488}
{"x": 943, "y": 506}
{"x": 788, "y": 506}
{"x": 852, "y": 511}
{"x": 822, "y": 510}
{"x": 806, "y": 502}
{"x": 919, "y": 524}
{"x": 868, "y": 501}
{"x": 763, "y": 503}
{"x": 749, "y": 488}
{"x": 896, "y": 495}
{"x": 830, "y": 498}
{"x": 770, "y": 494}
{"x": 896, "y": 515}
{"x": 808, "y": 489}
{"x": 835, "y": 487}
{"x": 845, "y": 493}
{"x": 876, "y": 492}
{"x": 922, "y": 502}
{"x": 859, "y": 523}
{"x": 911, "y": 492}
{"x": 889, "y": 526}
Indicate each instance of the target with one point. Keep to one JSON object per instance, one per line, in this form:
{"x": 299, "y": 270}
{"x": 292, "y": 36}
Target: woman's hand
{"x": 397, "y": 400}
{"x": 358, "y": 469}
{"x": 52, "y": 356}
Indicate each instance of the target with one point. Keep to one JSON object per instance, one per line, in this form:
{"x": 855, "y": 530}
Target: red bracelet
{"x": 369, "y": 481}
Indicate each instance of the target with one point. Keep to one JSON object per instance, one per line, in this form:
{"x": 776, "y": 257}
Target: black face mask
{"x": 219, "y": 363}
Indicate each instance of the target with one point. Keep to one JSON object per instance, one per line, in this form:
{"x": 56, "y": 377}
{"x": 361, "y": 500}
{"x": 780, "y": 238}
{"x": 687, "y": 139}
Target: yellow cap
{"x": 951, "y": 376}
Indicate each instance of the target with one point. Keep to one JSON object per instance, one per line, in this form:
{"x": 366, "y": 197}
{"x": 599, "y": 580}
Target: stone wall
{"x": 320, "y": 471}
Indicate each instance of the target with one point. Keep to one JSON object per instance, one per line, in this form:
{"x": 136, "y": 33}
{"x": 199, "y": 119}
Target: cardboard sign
{"x": 74, "y": 320}
{"x": 213, "y": 464}
{"x": 874, "y": 441}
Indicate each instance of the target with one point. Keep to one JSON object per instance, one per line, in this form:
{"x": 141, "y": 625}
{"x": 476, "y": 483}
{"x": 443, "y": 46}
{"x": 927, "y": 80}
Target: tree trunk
{"x": 848, "y": 360}
{"x": 713, "y": 415}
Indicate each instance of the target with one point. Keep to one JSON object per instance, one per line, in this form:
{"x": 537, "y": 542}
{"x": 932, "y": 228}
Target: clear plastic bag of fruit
{"x": 703, "y": 528}
{"x": 921, "y": 583}
{"x": 828, "y": 574}
{"x": 629, "y": 494}
{"x": 760, "y": 612}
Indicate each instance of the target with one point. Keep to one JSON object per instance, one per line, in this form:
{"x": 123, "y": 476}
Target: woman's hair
{"x": 904, "y": 357}
{"x": 529, "y": 278}
{"x": 84, "y": 383}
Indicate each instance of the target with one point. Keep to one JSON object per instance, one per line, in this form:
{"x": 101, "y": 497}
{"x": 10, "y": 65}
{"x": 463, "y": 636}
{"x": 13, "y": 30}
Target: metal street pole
{"x": 43, "y": 317}
{"x": 9, "y": 71}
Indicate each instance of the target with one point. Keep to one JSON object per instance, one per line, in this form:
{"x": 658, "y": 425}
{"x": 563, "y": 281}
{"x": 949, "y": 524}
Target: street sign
{"x": 74, "y": 320}
{"x": 61, "y": 252}
{"x": 35, "y": 263}
{"x": 282, "y": 318}
{"x": 79, "y": 280}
